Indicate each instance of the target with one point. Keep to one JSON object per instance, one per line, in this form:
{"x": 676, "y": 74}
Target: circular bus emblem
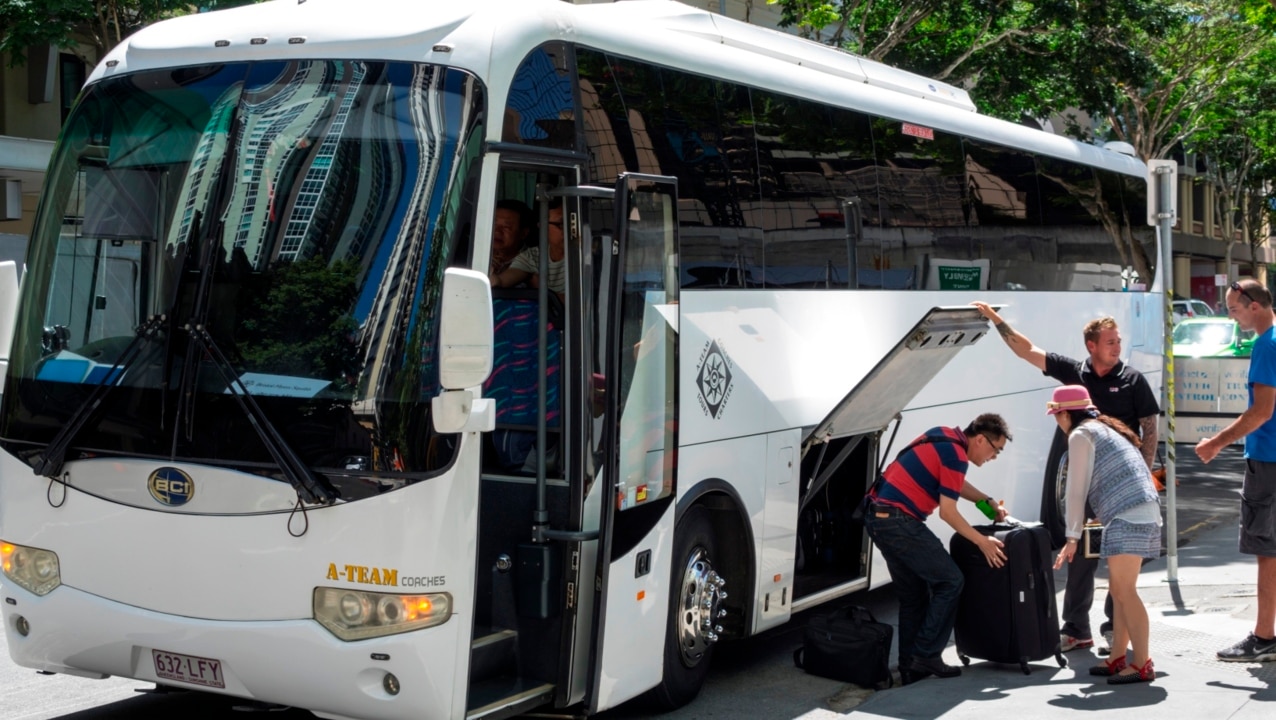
{"x": 171, "y": 486}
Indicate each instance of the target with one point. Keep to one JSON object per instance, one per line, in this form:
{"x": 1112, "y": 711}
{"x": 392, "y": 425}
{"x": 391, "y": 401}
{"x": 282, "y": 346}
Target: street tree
{"x": 102, "y": 24}
{"x": 1139, "y": 71}
{"x": 1237, "y": 139}
{"x": 1186, "y": 69}
{"x": 1017, "y": 58}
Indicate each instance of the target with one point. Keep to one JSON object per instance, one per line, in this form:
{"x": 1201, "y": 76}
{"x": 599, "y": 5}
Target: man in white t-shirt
{"x": 526, "y": 266}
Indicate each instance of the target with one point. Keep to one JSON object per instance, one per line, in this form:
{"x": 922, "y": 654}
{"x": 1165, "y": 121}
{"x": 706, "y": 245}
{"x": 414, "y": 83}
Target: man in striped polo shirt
{"x": 930, "y": 474}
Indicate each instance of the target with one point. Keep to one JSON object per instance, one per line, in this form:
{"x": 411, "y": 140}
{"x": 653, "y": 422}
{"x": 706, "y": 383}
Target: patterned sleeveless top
{"x": 1121, "y": 478}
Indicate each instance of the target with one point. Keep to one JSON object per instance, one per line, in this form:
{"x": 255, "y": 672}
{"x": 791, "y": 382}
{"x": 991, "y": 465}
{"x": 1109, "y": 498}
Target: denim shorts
{"x": 1121, "y": 537}
{"x": 1258, "y": 512}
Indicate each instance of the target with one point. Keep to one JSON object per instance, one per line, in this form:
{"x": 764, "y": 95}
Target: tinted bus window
{"x": 540, "y": 107}
{"x": 780, "y": 192}
{"x": 810, "y": 168}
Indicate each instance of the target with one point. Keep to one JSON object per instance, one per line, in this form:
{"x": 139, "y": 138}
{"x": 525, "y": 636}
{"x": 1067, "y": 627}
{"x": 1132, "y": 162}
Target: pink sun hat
{"x": 1069, "y": 397}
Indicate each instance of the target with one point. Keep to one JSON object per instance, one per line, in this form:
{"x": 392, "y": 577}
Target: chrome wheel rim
{"x": 699, "y": 607}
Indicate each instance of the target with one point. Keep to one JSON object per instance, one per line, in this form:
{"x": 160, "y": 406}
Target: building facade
{"x": 34, "y": 99}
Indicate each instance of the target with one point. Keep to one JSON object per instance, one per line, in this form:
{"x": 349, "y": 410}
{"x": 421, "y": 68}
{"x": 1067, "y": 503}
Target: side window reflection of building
{"x": 764, "y": 181}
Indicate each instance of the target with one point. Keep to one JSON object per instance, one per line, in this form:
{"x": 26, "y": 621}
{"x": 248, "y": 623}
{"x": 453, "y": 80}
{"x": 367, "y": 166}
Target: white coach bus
{"x": 268, "y": 430}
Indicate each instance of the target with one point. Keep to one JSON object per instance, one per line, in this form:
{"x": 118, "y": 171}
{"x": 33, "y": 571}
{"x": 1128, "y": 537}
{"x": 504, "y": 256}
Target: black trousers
{"x": 1078, "y": 597}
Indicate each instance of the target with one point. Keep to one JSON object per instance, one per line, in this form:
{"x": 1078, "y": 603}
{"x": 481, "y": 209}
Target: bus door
{"x": 637, "y": 327}
{"x": 531, "y": 522}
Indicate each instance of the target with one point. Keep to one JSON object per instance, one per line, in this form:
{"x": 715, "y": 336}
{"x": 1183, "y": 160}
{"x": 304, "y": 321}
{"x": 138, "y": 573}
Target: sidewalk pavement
{"x": 1211, "y": 606}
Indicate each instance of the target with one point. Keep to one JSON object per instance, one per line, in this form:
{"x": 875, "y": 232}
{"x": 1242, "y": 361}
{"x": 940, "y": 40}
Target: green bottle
{"x": 987, "y": 508}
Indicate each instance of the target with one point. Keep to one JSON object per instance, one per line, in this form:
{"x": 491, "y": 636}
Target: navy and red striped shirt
{"x": 932, "y": 465}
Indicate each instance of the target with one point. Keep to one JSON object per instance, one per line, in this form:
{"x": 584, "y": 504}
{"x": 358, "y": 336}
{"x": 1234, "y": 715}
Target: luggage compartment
{"x": 832, "y": 547}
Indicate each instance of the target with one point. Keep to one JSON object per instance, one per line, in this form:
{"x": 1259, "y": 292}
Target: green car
{"x": 1211, "y": 337}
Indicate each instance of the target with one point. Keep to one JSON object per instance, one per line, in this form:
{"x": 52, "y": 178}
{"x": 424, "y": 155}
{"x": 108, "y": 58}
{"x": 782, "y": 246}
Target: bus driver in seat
{"x": 511, "y": 224}
{"x": 526, "y": 267}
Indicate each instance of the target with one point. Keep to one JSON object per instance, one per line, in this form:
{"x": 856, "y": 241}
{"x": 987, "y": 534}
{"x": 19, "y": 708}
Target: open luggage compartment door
{"x": 902, "y": 373}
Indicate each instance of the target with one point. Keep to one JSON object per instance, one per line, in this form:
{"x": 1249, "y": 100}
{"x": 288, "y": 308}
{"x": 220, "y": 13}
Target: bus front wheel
{"x": 695, "y": 609}
{"x": 1054, "y": 490}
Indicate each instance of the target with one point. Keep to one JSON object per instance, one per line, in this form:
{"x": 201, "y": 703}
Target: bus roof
{"x": 491, "y": 37}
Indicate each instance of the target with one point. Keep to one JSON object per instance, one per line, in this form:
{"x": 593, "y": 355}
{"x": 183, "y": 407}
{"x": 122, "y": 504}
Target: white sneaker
{"x": 1067, "y": 643}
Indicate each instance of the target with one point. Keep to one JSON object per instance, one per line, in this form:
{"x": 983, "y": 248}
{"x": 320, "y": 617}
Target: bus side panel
{"x": 793, "y": 355}
{"x": 776, "y": 564}
{"x": 738, "y": 462}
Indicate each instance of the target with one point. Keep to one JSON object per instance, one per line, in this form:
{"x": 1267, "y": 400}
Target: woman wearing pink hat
{"x": 1106, "y": 468}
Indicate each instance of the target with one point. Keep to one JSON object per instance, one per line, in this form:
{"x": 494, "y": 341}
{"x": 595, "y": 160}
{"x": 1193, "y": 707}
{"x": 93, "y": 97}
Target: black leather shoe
{"x": 934, "y": 666}
{"x": 908, "y": 676}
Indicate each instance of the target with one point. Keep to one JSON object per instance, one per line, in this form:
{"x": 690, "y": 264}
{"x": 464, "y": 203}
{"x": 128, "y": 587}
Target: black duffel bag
{"x": 847, "y": 644}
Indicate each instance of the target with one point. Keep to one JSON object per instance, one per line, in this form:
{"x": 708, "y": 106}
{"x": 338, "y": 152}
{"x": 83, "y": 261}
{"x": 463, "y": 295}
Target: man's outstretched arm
{"x": 1014, "y": 339}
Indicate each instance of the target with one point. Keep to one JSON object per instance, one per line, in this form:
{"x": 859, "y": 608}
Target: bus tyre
{"x": 1054, "y": 490}
{"x": 695, "y": 609}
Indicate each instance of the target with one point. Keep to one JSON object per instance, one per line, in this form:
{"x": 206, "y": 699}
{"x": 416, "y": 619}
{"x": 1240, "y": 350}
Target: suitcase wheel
{"x": 965, "y": 659}
{"x": 1063, "y": 662}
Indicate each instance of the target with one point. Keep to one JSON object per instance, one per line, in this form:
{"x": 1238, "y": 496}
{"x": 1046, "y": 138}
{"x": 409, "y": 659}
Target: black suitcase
{"x": 847, "y": 644}
{"x": 1008, "y": 614}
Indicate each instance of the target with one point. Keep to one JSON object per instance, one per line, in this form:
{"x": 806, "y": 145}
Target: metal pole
{"x": 854, "y": 229}
{"x": 1165, "y": 174}
{"x": 540, "y": 517}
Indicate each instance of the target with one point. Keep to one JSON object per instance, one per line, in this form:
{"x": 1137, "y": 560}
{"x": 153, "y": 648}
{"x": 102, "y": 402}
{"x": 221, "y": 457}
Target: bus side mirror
{"x": 465, "y": 329}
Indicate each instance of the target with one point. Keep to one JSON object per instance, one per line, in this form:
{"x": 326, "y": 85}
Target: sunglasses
{"x": 1236, "y": 286}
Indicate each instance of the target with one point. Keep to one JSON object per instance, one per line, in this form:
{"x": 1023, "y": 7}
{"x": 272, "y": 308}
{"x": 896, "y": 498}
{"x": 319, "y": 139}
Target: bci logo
{"x": 171, "y": 486}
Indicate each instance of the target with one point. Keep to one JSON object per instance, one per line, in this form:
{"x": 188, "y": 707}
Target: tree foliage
{"x": 1018, "y": 58}
{"x": 1145, "y": 68}
{"x": 298, "y": 322}
{"x": 1160, "y": 75}
{"x": 100, "y": 23}
{"x": 1237, "y": 138}
{"x": 1189, "y": 63}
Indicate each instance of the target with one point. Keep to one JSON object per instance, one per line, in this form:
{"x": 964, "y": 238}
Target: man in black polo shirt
{"x": 1120, "y": 392}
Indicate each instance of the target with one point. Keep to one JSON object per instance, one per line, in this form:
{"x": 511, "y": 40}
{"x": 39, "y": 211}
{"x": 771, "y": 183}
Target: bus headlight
{"x": 32, "y": 569}
{"x": 358, "y": 615}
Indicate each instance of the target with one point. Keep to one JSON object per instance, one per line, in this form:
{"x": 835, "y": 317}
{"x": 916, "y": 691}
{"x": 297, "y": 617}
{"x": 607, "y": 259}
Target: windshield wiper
{"x": 308, "y": 485}
{"x": 49, "y": 462}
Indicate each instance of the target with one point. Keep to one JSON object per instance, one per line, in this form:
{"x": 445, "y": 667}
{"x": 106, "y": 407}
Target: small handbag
{"x": 1091, "y": 540}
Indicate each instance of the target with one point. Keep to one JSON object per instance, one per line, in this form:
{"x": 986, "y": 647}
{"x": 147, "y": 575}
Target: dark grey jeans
{"x": 926, "y": 580}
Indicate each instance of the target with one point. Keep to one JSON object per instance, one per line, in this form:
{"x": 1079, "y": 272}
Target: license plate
{"x": 188, "y": 669}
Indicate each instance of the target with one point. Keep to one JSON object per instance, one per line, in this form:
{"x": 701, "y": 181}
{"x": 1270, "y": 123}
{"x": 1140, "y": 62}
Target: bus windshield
{"x": 293, "y": 217}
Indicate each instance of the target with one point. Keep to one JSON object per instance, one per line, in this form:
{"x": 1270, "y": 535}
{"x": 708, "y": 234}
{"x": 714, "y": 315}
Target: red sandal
{"x": 1143, "y": 674}
{"x": 1109, "y": 668}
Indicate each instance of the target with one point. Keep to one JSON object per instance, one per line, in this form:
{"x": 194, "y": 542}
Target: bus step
{"x": 493, "y": 653}
{"x": 506, "y": 697}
